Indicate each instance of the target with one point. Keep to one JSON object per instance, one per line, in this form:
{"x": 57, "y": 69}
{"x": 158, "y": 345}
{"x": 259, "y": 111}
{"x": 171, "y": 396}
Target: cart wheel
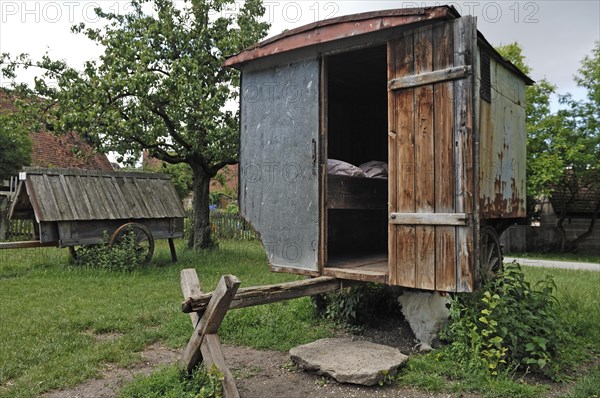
{"x": 144, "y": 242}
{"x": 490, "y": 252}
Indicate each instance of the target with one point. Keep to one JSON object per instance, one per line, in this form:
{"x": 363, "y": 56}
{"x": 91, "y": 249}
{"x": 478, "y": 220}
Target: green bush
{"x": 359, "y": 305}
{"x": 122, "y": 256}
{"x": 508, "y": 324}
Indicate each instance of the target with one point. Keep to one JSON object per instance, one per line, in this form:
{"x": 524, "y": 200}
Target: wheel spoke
{"x": 490, "y": 254}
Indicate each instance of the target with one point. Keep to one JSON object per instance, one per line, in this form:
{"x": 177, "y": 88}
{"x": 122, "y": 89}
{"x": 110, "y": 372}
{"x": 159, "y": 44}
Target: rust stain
{"x": 339, "y": 28}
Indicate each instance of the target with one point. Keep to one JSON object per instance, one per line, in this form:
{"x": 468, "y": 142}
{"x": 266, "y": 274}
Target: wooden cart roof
{"x": 81, "y": 195}
{"x": 346, "y": 26}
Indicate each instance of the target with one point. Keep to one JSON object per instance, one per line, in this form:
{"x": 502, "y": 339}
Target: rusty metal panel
{"x": 278, "y": 161}
{"x": 503, "y": 147}
{"x": 339, "y": 28}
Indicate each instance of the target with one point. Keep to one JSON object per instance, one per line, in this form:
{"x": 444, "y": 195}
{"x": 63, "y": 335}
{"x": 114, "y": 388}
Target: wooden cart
{"x": 71, "y": 208}
{"x": 419, "y": 89}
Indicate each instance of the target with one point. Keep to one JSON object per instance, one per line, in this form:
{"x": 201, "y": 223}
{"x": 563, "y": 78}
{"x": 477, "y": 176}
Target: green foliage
{"x": 181, "y": 176}
{"x": 508, "y": 324}
{"x": 362, "y": 304}
{"x": 169, "y": 383}
{"x": 563, "y": 148}
{"x": 122, "y": 256}
{"x": 15, "y": 146}
{"x": 232, "y": 208}
{"x": 158, "y": 86}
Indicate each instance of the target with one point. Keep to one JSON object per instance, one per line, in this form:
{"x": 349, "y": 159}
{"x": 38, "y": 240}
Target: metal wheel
{"x": 144, "y": 242}
{"x": 490, "y": 254}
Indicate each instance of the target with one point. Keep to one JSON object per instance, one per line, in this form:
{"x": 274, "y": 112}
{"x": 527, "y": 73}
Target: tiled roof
{"x": 584, "y": 203}
{"x": 58, "y": 151}
{"x": 67, "y": 151}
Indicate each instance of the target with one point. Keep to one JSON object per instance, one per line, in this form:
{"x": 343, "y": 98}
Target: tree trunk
{"x": 200, "y": 237}
{"x": 574, "y": 244}
{"x": 559, "y": 224}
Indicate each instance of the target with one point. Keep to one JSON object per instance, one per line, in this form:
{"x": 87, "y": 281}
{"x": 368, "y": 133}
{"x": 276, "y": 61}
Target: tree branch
{"x": 218, "y": 166}
{"x": 171, "y": 127}
{"x": 159, "y": 71}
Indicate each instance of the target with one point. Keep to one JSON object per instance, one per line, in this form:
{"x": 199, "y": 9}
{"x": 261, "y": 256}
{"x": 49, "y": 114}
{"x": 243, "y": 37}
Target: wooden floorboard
{"x": 372, "y": 267}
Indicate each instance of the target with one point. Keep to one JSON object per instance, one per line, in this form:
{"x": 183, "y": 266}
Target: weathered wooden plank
{"x": 404, "y": 125}
{"x": 73, "y": 172}
{"x": 464, "y": 29}
{"x": 160, "y": 197}
{"x": 97, "y": 198}
{"x": 359, "y": 274}
{"x": 344, "y": 192}
{"x": 86, "y": 191}
{"x": 132, "y": 197}
{"x": 120, "y": 198}
{"x": 259, "y": 295}
{"x": 444, "y": 164}
{"x": 190, "y": 287}
{"x": 107, "y": 184}
{"x": 393, "y": 61}
{"x": 210, "y": 321}
{"x": 424, "y": 161}
{"x": 25, "y": 244}
{"x": 69, "y": 203}
{"x": 143, "y": 199}
{"x": 445, "y": 252}
{"x": 47, "y": 200}
{"x": 426, "y": 78}
{"x": 406, "y": 255}
{"x": 212, "y": 352}
{"x": 429, "y": 218}
{"x": 62, "y": 202}
{"x": 172, "y": 250}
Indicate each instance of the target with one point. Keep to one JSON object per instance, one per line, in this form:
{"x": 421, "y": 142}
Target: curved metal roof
{"x": 353, "y": 25}
{"x": 339, "y": 28}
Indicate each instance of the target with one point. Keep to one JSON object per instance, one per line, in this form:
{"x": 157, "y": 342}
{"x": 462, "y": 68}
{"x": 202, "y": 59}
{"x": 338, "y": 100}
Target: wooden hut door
{"x": 430, "y": 104}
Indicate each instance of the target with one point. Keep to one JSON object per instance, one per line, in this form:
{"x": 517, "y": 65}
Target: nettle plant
{"x": 122, "y": 256}
{"x": 508, "y": 324}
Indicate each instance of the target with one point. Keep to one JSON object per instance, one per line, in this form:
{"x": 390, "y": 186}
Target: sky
{"x": 555, "y": 35}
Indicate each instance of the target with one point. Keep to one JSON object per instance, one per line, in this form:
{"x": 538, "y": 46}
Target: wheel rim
{"x": 144, "y": 242}
{"x": 490, "y": 254}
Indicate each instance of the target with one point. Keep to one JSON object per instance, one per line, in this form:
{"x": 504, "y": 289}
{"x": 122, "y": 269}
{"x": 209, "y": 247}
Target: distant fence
{"x": 19, "y": 230}
{"x": 230, "y": 226}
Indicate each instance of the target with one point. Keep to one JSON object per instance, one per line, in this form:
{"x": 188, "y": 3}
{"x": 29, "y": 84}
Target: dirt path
{"x": 266, "y": 374}
{"x": 259, "y": 373}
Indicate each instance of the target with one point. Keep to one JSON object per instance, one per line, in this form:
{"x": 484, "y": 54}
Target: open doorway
{"x": 357, "y": 188}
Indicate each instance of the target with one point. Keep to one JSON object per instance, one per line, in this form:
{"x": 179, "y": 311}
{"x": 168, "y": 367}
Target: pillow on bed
{"x": 375, "y": 169}
{"x": 341, "y": 168}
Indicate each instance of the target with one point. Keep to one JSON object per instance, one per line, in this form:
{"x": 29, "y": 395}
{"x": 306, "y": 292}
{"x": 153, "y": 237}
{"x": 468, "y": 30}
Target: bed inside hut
{"x": 355, "y": 114}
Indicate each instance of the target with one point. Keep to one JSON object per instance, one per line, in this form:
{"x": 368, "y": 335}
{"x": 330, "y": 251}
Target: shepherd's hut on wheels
{"x": 386, "y": 146}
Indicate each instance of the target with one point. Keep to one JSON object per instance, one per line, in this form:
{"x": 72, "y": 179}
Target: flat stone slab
{"x": 349, "y": 361}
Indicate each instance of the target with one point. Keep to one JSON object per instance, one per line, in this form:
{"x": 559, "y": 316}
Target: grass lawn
{"x": 581, "y": 258}
{"x": 51, "y": 314}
